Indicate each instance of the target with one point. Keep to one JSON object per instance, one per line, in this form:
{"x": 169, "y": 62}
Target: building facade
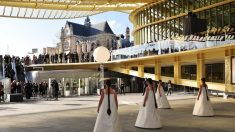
{"x": 165, "y": 19}
{"x": 164, "y": 52}
{"x": 81, "y": 40}
{"x": 162, "y": 23}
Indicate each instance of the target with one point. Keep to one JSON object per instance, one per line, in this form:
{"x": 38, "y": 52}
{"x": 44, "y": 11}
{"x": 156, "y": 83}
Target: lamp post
{"x": 101, "y": 55}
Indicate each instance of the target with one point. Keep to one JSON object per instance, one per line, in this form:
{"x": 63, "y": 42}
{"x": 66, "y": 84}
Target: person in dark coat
{"x": 47, "y": 56}
{"x": 1, "y": 92}
{"x": 13, "y": 87}
{"x": 122, "y": 88}
{"x": 72, "y": 58}
{"x": 55, "y": 86}
{"x": 56, "y": 58}
{"x": 18, "y": 87}
{"x": 28, "y": 90}
{"x": 36, "y": 89}
{"x": 76, "y": 57}
{"x": 45, "y": 87}
{"x": 41, "y": 89}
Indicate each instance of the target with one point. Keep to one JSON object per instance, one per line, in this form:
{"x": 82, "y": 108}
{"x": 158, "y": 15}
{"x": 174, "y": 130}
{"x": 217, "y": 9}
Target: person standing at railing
{"x": 56, "y": 58}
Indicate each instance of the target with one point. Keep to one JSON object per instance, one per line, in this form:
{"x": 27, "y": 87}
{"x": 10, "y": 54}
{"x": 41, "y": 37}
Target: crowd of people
{"x": 185, "y": 43}
{"x": 30, "y": 89}
{"x": 59, "y": 58}
{"x": 12, "y": 67}
{"x": 151, "y": 48}
{"x": 41, "y": 59}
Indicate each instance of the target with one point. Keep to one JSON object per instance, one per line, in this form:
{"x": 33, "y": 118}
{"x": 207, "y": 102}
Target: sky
{"x": 20, "y": 36}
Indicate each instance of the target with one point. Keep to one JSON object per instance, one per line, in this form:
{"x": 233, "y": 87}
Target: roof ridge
{"x": 82, "y": 30}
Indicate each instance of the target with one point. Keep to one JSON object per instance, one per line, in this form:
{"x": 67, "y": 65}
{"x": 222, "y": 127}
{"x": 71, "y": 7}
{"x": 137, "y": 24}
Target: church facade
{"x": 83, "y": 39}
{"x": 79, "y": 40}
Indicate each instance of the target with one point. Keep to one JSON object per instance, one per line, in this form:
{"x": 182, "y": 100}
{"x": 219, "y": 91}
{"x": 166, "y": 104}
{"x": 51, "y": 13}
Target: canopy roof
{"x": 64, "y": 9}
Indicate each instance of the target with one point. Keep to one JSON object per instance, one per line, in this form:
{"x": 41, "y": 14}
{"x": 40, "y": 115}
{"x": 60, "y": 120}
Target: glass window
{"x": 189, "y": 72}
{"x": 232, "y": 14}
{"x": 207, "y": 15}
{"x": 215, "y": 72}
{"x": 181, "y": 6}
{"x": 220, "y": 16}
{"x": 158, "y": 12}
{"x": 206, "y": 2}
{"x": 167, "y": 8}
{"x": 201, "y": 3}
{"x": 172, "y": 28}
{"x": 135, "y": 68}
{"x": 161, "y": 31}
{"x": 213, "y": 17}
{"x": 196, "y": 4}
{"x": 181, "y": 25}
{"x": 213, "y": 1}
{"x": 202, "y": 15}
{"x": 226, "y": 16}
{"x": 149, "y": 70}
{"x": 155, "y": 12}
{"x": 167, "y": 71}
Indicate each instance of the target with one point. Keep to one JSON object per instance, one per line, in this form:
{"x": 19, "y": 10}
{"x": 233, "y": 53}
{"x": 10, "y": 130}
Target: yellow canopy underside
{"x": 64, "y": 9}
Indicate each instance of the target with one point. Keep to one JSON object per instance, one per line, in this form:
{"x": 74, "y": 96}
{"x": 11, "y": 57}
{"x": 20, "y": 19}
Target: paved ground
{"x": 177, "y": 119}
{"x": 36, "y": 105}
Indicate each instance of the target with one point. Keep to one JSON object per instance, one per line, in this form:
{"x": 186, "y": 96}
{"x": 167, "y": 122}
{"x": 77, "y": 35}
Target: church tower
{"x": 87, "y": 21}
{"x": 128, "y": 33}
{"x": 62, "y": 36}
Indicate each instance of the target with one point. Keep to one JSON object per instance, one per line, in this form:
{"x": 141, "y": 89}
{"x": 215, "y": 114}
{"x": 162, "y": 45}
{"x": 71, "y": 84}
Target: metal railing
{"x": 172, "y": 46}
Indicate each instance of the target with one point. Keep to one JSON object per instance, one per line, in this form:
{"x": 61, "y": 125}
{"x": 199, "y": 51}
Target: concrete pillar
{"x": 200, "y": 68}
{"x": 35, "y": 76}
{"x": 7, "y": 85}
{"x": 228, "y": 73}
{"x": 127, "y": 70}
{"x": 49, "y": 91}
{"x": 71, "y": 86}
{"x": 157, "y": 70}
{"x": 86, "y": 85}
{"x": 141, "y": 71}
{"x": 97, "y": 84}
{"x": 177, "y": 70}
{"x": 79, "y": 87}
{"x": 63, "y": 86}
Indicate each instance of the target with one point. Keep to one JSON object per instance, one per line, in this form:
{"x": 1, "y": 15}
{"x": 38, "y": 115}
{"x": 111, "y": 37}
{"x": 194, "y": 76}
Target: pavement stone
{"x": 82, "y": 119}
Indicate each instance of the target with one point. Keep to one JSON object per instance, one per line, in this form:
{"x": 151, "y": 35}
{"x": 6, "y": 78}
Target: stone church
{"x": 81, "y": 40}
